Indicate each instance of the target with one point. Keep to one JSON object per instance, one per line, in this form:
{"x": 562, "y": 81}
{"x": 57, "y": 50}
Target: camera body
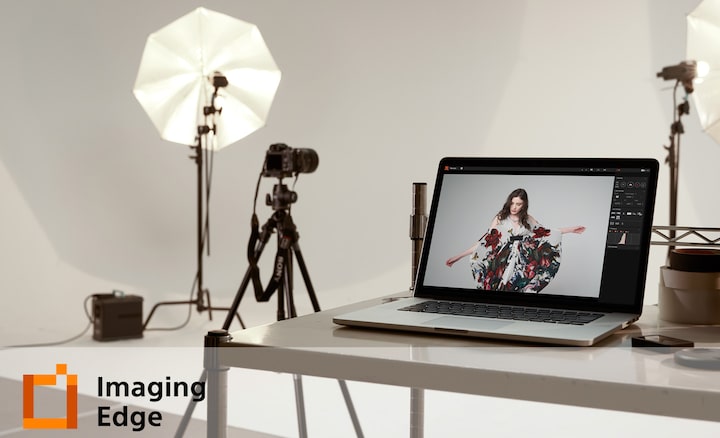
{"x": 282, "y": 161}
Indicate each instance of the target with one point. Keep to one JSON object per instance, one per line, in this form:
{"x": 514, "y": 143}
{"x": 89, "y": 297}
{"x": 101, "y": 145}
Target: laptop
{"x": 548, "y": 250}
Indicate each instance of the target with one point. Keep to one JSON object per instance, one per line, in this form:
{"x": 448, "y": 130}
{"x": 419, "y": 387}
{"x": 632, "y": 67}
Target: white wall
{"x": 93, "y": 199}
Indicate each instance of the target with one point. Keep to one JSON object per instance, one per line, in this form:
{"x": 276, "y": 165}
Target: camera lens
{"x": 306, "y": 160}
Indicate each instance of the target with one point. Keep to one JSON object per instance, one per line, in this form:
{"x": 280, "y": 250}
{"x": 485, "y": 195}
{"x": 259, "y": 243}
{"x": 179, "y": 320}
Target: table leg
{"x": 417, "y": 412}
{"x": 216, "y": 385}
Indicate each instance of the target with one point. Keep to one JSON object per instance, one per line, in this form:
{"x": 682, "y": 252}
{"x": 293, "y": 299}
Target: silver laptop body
{"x": 550, "y": 250}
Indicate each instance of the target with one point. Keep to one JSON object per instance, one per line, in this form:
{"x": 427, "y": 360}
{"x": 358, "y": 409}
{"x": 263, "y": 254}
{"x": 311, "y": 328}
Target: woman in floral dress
{"x": 517, "y": 253}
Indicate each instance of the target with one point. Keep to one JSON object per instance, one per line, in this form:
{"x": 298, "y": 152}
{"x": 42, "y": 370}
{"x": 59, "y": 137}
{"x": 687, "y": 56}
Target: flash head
{"x": 684, "y": 72}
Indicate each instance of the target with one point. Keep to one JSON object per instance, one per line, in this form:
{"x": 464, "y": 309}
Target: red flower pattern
{"x": 540, "y": 232}
{"x": 492, "y": 238}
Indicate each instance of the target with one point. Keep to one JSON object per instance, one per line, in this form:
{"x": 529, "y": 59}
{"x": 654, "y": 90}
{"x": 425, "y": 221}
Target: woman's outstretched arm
{"x": 578, "y": 229}
{"x": 451, "y": 261}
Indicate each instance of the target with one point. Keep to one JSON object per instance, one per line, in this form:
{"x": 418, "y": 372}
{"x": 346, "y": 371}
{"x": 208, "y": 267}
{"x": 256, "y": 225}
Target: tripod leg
{"x": 316, "y": 306}
{"x": 281, "y": 302}
{"x": 242, "y": 324}
{"x": 306, "y": 276}
{"x": 286, "y": 287}
{"x": 351, "y": 408}
{"x": 288, "y": 280}
{"x": 300, "y": 406}
{"x": 285, "y": 293}
{"x": 185, "y": 420}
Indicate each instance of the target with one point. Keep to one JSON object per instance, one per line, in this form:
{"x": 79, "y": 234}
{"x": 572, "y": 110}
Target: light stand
{"x": 673, "y": 157}
{"x": 683, "y": 73}
{"x": 203, "y": 198}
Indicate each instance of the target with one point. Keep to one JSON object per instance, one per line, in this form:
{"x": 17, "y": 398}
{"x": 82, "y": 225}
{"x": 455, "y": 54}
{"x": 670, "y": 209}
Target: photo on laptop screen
{"x": 542, "y": 231}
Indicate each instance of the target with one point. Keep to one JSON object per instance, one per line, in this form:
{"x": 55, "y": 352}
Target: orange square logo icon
{"x": 30, "y": 381}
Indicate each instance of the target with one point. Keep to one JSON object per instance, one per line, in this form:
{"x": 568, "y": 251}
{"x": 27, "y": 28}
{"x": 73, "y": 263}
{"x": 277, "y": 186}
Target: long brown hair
{"x": 523, "y": 214}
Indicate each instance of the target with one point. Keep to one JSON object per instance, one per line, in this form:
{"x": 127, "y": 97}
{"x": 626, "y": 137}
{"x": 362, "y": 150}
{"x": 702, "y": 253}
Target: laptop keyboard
{"x": 500, "y": 311}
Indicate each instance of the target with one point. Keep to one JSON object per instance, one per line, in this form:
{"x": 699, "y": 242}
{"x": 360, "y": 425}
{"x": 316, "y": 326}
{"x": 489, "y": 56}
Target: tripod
{"x": 288, "y": 250}
{"x": 281, "y": 281}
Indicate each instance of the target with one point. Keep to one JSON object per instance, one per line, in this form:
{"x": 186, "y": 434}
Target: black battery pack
{"x": 117, "y": 316}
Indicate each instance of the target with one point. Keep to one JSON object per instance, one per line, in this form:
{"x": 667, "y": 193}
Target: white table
{"x": 611, "y": 375}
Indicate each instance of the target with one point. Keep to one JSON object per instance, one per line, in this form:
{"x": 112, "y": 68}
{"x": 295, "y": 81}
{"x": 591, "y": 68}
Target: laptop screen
{"x": 574, "y": 232}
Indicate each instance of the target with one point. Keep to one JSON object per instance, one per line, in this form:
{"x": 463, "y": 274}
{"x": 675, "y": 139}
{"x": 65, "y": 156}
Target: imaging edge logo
{"x": 131, "y": 418}
{"x": 30, "y": 381}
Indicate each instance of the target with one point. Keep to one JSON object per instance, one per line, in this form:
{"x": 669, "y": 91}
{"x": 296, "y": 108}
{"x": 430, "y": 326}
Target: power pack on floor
{"x": 117, "y": 317}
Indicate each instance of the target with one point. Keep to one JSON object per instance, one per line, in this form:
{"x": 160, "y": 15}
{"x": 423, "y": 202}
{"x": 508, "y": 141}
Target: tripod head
{"x": 282, "y": 197}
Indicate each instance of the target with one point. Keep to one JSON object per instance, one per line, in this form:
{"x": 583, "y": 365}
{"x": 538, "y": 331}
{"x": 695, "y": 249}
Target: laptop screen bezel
{"x": 423, "y": 290}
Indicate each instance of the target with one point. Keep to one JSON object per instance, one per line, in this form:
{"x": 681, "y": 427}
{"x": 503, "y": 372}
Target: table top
{"x": 610, "y": 375}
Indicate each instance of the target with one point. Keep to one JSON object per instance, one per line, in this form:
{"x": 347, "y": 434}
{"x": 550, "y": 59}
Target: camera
{"x": 282, "y": 161}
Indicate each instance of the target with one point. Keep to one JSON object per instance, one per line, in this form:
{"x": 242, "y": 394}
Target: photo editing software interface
{"x": 629, "y": 206}
{"x": 598, "y": 216}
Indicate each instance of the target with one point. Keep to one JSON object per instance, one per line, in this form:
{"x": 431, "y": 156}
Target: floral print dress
{"x": 511, "y": 257}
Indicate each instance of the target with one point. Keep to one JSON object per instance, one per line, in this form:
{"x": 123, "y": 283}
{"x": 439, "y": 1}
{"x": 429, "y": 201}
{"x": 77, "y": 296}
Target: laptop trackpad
{"x": 468, "y": 323}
